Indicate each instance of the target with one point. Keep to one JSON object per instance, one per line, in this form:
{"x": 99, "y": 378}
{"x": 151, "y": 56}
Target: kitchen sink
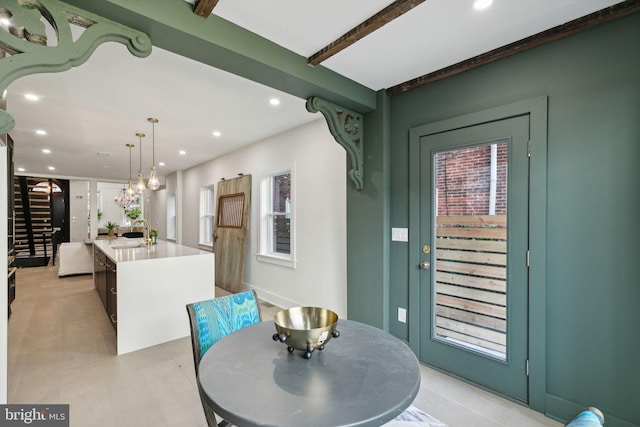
{"x": 132, "y": 246}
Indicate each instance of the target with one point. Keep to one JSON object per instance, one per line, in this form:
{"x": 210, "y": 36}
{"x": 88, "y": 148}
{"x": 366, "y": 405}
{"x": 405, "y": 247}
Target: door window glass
{"x": 470, "y": 304}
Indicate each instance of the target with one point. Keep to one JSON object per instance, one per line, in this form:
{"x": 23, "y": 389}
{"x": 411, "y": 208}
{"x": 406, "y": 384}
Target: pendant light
{"x": 130, "y": 191}
{"x": 140, "y": 187}
{"x": 153, "y": 183}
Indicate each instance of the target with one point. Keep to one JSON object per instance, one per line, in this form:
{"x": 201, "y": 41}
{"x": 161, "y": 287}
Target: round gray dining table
{"x": 364, "y": 377}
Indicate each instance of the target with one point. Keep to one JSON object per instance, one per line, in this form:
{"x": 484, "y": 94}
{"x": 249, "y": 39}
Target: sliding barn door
{"x": 230, "y": 235}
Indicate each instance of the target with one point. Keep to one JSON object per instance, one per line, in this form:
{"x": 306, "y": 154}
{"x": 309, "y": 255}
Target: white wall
{"x": 110, "y": 211}
{"x": 319, "y": 164}
{"x": 156, "y": 211}
{"x": 78, "y": 203}
{"x": 172, "y": 184}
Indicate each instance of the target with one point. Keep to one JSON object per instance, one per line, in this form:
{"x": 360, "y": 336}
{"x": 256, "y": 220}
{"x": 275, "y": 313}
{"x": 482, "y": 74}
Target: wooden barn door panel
{"x": 230, "y": 234}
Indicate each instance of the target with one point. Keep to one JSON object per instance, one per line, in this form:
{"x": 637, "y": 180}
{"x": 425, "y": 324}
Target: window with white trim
{"x": 207, "y": 209}
{"x": 277, "y": 220}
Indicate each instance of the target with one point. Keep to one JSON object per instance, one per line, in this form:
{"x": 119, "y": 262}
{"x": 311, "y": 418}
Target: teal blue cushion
{"x": 585, "y": 418}
{"x": 221, "y": 316}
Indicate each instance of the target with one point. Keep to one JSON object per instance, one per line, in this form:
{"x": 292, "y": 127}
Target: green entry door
{"x": 473, "y": 202}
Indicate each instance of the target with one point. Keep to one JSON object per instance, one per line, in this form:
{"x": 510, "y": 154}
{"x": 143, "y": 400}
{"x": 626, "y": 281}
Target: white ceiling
{"x": 99, "y": 106}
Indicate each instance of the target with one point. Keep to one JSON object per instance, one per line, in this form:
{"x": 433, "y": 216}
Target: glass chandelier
{"x": 140, "y": 187}
{"x": 127, "y": 196}
{"x": 153, "y": 183}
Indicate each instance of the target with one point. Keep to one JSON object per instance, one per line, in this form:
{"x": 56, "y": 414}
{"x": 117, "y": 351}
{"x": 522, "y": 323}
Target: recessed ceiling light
{"x": 482, "y": 4}
{"x": 41, "y": 132}
{"x": 161, "y": 164}
{"x": 217, "y": 134}
{"x": 46, "y": 151}
{"x": 31, "y": 97}
{"x": 182, "y": 152}
{"x": 21, "y": 169}
{"x": 274, "y": 101}
{"x": 51, "y": 168}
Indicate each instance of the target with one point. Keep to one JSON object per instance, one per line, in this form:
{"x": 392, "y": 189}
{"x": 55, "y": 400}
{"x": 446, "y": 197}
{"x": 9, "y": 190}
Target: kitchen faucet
{"x": 147, "y": 239}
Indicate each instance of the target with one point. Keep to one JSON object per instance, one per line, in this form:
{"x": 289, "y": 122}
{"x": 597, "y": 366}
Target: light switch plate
{"x": 402, "y": 315}
{"x": 400, "y": 234}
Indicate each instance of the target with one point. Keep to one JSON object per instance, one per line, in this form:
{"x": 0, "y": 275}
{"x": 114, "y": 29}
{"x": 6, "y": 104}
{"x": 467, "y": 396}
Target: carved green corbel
{"x": 23, "y": 40}
{"x": 347, "y": 128}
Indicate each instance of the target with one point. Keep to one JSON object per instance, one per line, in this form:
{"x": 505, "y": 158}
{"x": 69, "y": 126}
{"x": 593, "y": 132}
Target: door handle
{"x": 425, "y": 265}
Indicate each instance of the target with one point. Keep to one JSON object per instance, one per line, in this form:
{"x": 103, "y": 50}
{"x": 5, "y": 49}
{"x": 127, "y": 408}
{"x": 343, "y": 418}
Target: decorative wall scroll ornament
{"x": 23, "y": 39}
{"x": 347, "y": 128}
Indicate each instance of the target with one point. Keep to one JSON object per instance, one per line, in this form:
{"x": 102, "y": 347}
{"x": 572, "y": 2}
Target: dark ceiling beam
{"x": 618, "y": 10}
{"x": 204, "y": 7}
{"x": 386, "y": 15}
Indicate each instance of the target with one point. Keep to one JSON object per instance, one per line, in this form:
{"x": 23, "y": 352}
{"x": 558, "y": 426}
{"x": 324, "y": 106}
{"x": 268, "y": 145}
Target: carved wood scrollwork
{"x": 23, "y": 40}
{"x": 347, "y": 128}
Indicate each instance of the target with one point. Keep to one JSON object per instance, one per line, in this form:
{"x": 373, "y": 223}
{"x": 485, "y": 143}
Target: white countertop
{"x": 133, "y": 252}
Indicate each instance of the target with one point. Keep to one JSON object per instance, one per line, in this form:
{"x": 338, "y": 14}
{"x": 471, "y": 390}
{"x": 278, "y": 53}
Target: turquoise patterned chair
{"x": 214, "y": 319}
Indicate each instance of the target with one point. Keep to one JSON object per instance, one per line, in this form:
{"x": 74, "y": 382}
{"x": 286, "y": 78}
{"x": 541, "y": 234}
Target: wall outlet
{"x": 402, "y": 315}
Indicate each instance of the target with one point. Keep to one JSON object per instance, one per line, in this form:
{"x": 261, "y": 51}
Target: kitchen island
{"x": 145, "y": 289}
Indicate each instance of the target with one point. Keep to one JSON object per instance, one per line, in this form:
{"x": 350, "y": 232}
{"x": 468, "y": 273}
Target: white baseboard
{"x": 275, "y": 299}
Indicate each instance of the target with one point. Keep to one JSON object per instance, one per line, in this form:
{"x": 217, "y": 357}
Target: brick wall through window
{"x": 464, "y": 179}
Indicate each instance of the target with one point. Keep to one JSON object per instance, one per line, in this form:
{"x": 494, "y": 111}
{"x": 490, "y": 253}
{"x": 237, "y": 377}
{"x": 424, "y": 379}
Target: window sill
{"x": 273, "y": 259}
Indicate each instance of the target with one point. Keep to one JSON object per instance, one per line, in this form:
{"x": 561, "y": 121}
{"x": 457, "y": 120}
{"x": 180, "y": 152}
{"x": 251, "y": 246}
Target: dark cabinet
{"x": 106, "y": 282}
{"x": 112, "y": 294}
{"x": 100, "y": 275}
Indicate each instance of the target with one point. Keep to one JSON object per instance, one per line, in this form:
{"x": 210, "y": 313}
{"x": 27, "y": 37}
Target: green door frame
{"x": 537, "y": 110}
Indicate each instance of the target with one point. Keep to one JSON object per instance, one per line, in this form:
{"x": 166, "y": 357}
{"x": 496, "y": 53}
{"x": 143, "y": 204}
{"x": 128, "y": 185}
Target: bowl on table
{"x": 305, "y": 328}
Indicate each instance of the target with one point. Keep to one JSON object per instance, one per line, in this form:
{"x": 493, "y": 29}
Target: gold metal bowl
{"x": 305, "y": 328}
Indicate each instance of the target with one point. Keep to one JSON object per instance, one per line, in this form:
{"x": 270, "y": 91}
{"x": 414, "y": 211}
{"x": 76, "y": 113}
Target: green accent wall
{"x": 592, "y": 80}
{"x": 368, "y": 224}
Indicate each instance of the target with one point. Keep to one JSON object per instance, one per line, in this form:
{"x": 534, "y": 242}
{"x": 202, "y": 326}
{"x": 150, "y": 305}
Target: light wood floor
{"x": 62, "y": 350}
